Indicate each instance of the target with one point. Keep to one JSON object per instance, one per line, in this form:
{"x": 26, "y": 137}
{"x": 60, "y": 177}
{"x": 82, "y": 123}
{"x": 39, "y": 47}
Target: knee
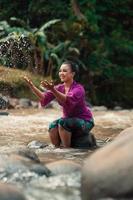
{"x": 60, "y": 128}
{"x": 53, "y": 126}
{"x": 53, "y": 130}
{"x": 61, "y": 124}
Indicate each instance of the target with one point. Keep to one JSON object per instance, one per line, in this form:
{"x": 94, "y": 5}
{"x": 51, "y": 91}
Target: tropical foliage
{"x": 96, "y": 34}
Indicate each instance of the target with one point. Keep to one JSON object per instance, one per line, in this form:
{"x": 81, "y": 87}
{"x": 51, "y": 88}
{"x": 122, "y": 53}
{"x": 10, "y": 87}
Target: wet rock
{"x": 63, "y": 167}
{"x": 3, "y": 102}
{"x": 21, "y": 168}
{"x": 21, "y": 155}
{"x": 40, "y": 170}
{"x": 29, "y": 154}
{"x": 108, "y": 172}
{"x": 10, "y": 192}
{"x": 10, "y": 164}
{"x": 36, "y": 145}
{"x": 86, "y": 142}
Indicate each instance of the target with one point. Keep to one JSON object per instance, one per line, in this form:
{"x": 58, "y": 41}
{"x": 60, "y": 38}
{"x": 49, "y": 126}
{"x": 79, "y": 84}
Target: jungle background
{"x": 37, "y": 36}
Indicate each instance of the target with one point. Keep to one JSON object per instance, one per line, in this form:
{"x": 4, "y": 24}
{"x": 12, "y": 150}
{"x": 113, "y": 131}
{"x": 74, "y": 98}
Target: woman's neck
{"x": 68, "y": 83}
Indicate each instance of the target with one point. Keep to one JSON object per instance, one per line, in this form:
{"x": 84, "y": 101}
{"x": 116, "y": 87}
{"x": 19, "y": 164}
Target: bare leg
{"x": 65, "y": 137}
{"x": 54, "y": 137}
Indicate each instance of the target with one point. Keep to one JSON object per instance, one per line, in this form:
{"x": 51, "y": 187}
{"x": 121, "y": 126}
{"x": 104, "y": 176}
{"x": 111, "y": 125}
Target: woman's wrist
{"x": 32, "y": 86}
{"x": 53, "y": 90}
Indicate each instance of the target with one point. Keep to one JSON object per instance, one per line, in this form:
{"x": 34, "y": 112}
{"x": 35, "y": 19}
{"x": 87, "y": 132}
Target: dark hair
{"x": 74, "y": 67}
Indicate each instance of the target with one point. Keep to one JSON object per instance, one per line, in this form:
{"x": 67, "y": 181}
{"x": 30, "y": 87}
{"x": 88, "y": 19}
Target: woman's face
{"x": 65, "y": 73}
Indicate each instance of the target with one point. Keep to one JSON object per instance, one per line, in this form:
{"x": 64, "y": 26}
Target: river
{"x": 22, "y": 126}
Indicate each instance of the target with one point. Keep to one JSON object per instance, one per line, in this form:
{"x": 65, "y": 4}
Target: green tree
{"x": 97, "y": 34}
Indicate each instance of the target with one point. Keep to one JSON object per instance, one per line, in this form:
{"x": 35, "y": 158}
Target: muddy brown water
{"x": 22, "y": 126}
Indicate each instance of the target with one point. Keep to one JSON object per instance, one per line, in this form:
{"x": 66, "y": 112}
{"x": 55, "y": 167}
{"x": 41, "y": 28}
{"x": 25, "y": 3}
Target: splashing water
{"x": 16, "y": 51}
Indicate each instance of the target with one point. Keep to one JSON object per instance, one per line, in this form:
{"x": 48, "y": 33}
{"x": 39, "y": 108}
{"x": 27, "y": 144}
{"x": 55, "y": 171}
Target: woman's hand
{"x": 28, "y": 81}
{"x": 48, "y": 85}
{"x": 34, "y": 89}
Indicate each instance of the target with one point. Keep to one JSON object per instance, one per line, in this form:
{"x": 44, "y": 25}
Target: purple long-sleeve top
{"x": 75, "y": 105}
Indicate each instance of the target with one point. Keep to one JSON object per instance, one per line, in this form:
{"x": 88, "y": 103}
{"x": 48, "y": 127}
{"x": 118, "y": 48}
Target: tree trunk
{"x": 76, "y": 10}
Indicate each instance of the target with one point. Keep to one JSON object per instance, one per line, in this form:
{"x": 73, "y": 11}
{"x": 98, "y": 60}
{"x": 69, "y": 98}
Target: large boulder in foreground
{"x": 125, "y": 132}
{"x": 10, "y": 192}
{"x": 109, "y": 171}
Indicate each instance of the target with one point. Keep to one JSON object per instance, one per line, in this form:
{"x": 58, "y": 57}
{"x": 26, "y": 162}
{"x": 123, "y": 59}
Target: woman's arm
{"x": 58, "y": 95}
{"x": 35, "y": 90}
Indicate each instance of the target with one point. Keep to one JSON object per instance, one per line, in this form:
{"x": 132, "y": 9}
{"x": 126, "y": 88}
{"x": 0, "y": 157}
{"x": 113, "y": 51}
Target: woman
{"x": 77, "y": 119}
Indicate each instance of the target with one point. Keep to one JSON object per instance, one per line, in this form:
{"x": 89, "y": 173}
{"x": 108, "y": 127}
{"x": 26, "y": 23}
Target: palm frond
{"x": 56, "y": 58}
{"x": 48, "y": 24}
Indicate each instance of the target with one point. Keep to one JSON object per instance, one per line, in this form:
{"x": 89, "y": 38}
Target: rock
{"x": 86, "y": 142}
{"x": 10, "y": 192}
{"x": 29, "y": 154}
{"x": 108, "y": 172}
{"x": 10, "y": 164}
{"x": 125, "y": 132}
{"x": 13, "y": 162}
{"x": 3, "y": 102}
{"x": 99, "y": 108}
{"x": 24, "y": 103}
{"x": 49, "y": 105}
{"x": 13, "y": 102}
{"x": 18, "y": 173}
{"x": 63, "y": 167}
{"x": 36, "y": 144}
{"x": 55, "y": 105}
{"x": 24, "y": 161}
{"x": 117, "y": 108}
{"x": 4, "y": 113}
{"x": 40, "y": 170}
{"x": 34, "y": 104}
